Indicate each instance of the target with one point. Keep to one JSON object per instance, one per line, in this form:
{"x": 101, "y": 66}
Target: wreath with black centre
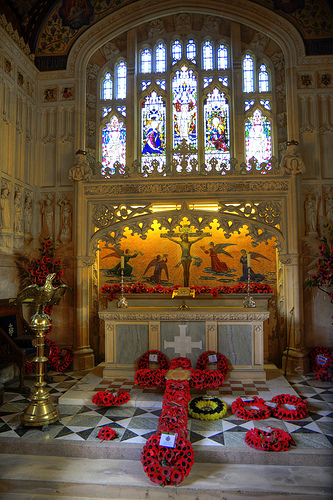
{"x": 207, "y": 408}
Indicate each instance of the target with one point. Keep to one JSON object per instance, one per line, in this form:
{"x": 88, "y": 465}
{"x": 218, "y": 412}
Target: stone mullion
{"x": 132, "y": 125}
{"x": 237, "y": 98}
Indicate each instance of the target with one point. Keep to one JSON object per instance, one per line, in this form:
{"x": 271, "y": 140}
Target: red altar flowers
{"x": 145, "y": 359}
{"x": 150, "y": 378}
{"x": 113, "y": 290}
{"x": 250, "y": 408}
{"x": 289, "y": 407}
{"x": 180, "y": 362}
{"x": 106, "y": 433}
{"x": 321, "y": 362}
{"x": 271, "y": 439}
{"x": 110, "y": 398}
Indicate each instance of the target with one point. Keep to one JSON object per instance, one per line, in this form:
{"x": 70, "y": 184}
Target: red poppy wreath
{"x": 252, "y": 408}
{"x": 289, "y": 407}
{"x": 271, "y": 439}
{"x": 144, "y": 360}
{"x": 108, "y": 398}
{"x": 106, "y": 433}
{"x": 222, "y": 364}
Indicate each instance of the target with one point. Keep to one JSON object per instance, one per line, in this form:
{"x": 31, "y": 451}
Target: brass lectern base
{"x": 40, "y": 413}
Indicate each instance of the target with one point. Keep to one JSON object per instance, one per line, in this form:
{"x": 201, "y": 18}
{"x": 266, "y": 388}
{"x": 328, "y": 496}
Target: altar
{"x": 219, "y": 324}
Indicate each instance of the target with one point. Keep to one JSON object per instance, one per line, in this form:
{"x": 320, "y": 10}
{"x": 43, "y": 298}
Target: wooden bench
{"x": 16, "y": 340}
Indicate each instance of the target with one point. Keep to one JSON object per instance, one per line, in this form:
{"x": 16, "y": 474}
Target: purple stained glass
{"x": 113, "y": 144}
{"x": 184, "y": 102}
{"x": 153, "y": 117}
{"x": 216, "y": 123}
{"x": 258, "y": 137}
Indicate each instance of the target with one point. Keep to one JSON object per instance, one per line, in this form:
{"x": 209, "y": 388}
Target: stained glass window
{"x": 113, "y": 145}
{"x": 121, "y": 80}
{"x": 160, "y": 54}
{"x": 263, "y": 79}
{"x": 153, "y": 119}
{"x": 146, "y": 61}
{"x": 258, "y": 138}
{"x": 184, "y": 102}
{"x": 207, "y": 55}
{"x": 216, "y": 124}
{"x": 222, "y": 57}
{"x": 176, "y": 50}
{"x": 107, "y": 87}
{"x": 248, "y": 74}
{"x": 191, "y": 50}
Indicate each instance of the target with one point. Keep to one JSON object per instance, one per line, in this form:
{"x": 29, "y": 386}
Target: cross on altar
{"x": 183, "y": 345}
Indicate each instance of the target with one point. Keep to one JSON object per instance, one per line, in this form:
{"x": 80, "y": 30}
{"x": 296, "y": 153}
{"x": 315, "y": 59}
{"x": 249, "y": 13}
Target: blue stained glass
{"x": 153, "y": 118}
{"x": 224, "y": 80}
{"x": 121, "y": 80}
{"x": 265, "y": 103}
{"x": 248, "y": 74}
{"x": 222, "y": 57}
{"x": 263, "y": 79}
{"x": 161, "y": 83}
{"x": 146, "y": 61}
{"x": 258, "y": 139}
{"x": 184, "y": 101}
{"x": 145, "y": 84}
{"x": 216, "y": 123}
{"x": 176, "y": 50}
{"x": 207, "y": 56}
{"x": 207, "y": 81}
{"x": 107, "y": 87}
{"x": 191, "y": 50}
{"x": 160, "y": 55}
{"x": 113, "y": 145}
{"x": 106, "y": 111}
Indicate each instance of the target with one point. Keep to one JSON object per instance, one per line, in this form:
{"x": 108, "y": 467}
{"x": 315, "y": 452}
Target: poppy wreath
{"x": 222, "y": 363}
{"x": 107, "y": 398}
{"x": 56, "y": 360}
{"x": 320, "y": 358}
{"x": 245, "y": 410}
{"x": 162, "y": 360}
{"x": 150, "y": 378}
{"x": 300, "y": 408}
{"x": 207, "y": 408}
{"x": 180, "y": 362}
{"x": 270, "y": 440}
{"x": 324, "y": 375}
{"x": 106, "y": 433}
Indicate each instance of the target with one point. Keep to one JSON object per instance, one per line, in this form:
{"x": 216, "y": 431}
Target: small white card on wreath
{"x": 246, "y": 400}
{"x": 153, "y": 357}
{"x": 271, "y": 404}
{"x": 212, "y": 358}
{"x": 290, "y": 407}
{"x": 168, "y": 439}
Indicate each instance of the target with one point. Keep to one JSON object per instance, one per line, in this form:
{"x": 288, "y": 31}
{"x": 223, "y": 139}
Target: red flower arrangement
{"x": 270, "y": 440}
{"x": 108, "y": 398}
{"x": 296, "y": 408}
{"x": 321, "y": 362}
{"x": 180, "y": 362}
{"x": 113, "y": 290}
{"x": 162, "y": 360}
{"x": 253, "y": 408}
{"x": 106, "y": 433}
{"x": 150, "y": 378}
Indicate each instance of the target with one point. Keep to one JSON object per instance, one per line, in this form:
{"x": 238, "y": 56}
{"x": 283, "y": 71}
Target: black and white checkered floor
{"x": 80, "y": 419}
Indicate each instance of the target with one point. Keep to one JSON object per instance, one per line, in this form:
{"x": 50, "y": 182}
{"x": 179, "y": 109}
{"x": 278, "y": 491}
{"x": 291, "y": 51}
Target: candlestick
{"x": 122, "y": 262}
{"x": 122, "y": 302}
{"x": 249, "y": 301}
{"x": 248, "y": 260}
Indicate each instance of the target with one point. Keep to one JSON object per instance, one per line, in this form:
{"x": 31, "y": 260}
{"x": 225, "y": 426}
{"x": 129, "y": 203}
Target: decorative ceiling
{"x": 51, "y": 27}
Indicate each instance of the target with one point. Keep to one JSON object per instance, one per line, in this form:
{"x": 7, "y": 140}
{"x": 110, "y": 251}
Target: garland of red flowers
{"x": 280, "y": 411}
{"x": 106, "y": 433}
{"x": 162, "y": 360}
{"x": 321, "y": 362}
{"x": 269, "y": 440}
{"x": 164, "y": 465}
{"x": 108, "y": 398}
{"x": 245, "y": 410}
{"x": 113, "y": 290}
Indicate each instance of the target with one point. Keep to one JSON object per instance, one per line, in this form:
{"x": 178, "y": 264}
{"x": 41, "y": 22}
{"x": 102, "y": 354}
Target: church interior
{"x": 166, "y": 227}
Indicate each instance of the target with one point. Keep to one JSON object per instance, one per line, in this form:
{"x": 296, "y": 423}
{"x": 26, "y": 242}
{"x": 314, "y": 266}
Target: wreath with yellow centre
{"x": 207, "y": 408}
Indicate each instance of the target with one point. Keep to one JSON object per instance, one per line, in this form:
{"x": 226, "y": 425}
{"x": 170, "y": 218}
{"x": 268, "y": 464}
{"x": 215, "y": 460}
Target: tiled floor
{"x": 80, "y": 419}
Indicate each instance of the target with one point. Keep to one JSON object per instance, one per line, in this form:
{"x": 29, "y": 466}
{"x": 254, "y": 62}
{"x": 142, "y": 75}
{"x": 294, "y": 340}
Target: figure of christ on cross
{"x": 186, "y": 257}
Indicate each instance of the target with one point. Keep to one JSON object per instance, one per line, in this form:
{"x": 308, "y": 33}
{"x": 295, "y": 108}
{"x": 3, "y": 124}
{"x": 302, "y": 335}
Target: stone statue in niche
{"x": 310, "y": 205}
{"x": 81, "y": 169}
{"x": 28, "y": 215}
{"x": 18, "y": 212}
{"x": 329, "y": 203}
{"x": 183, "y": 22}
{"x": 4, "y": 208}
{"x": 291, "y": 160}
{"x": 65, "y": 233}
{"x": 47, "y": 211}
{"x": 210, "y": 24}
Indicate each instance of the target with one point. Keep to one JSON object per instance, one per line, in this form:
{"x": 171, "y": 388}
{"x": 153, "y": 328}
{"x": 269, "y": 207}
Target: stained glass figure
{"x": 263, "y": 79}
{"x": 107, "y": 87}
{"x": 207, "y": 55}
{"x": 184, "y": 102}
{"x": 146, "y": 61}
{"x": 113, "y": 145}
{"x": 160, "y": 58}
{"x": 176, "y": 51}
{"x": 216, "y": 127}
{"x": 153, "y": 117}
{"x": 191, "y": 50}
{"x": 258, "y": 138}
{"x": 222, "y": 57}
{"x": 121, "y": 80}
{"x": 248, "y": 73}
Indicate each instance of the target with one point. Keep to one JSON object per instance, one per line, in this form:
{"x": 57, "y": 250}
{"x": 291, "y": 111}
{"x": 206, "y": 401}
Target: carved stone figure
{"x": 291, "y": 160}
{"x": 311, "y": 213}
{"x": 183, "y": 21}
{"x": 329, "y": 203}
{"x": 81, "y": 169}
{"x": 27, "y": 215}
{"x": 47, "y": 210}
{"x": 18, "y": 212}
{"x": 4, "y": 208}
{"x": 65, "y": 234}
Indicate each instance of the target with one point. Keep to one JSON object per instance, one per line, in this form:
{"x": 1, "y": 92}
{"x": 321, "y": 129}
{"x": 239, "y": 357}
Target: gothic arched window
{"x": 146, "y": 61}
{"x": 153, "y": 121}
{"x": 113, "y": 144}
{"x": 207, "y": 56}
{"x": 176, "y": 51}
{"x": 107, "y": 87}
{"x": 248, "y": 73}
{"x": 258, "y": 137}
{"x": 121, "y": 80}
{"x": 263, "y": 79}
{"x": 160, "y": 58}
{"x": 222, "y": 57}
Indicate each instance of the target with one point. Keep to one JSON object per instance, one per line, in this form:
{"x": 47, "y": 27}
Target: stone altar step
{"x": 47, "y": 478}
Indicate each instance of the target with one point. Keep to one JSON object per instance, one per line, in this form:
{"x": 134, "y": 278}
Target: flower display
{"x": 253, "y": 408}
{"x": 106, "y": 433}
{"x": 321, "y": 362}
{"x": 323, "y": 278}
{"x": 162, "y": 360}
{"x": 207, "y": 408}
{"x": 180, "y": 362}
{"x": 289, "y": 407}
{"x": 271, "y": 439}
{"x": 150, "y": 378}
{"x": 108, "y": 398}
{"x": 112, "y": 290}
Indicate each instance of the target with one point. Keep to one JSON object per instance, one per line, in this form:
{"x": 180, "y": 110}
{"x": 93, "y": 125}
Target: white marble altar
{"x": 222, "y": 325}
